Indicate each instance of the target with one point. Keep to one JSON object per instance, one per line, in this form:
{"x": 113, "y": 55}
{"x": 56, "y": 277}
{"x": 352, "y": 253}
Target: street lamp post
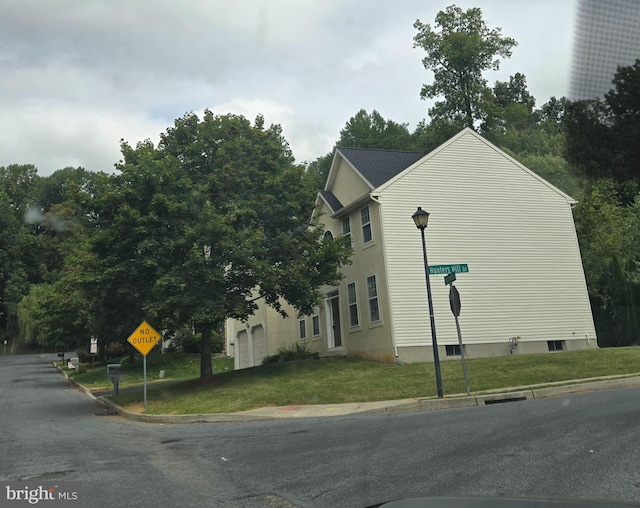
{"x": 421, "y": 218}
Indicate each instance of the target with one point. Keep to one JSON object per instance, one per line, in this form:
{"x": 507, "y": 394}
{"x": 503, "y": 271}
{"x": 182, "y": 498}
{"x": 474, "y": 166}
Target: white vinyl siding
{"x": 515, "y": 232}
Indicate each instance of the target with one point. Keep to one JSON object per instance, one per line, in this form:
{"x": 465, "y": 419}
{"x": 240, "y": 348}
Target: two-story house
{"x": 524, "y": 291}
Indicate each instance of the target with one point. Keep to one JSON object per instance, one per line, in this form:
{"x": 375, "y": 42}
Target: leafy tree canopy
{"x": 460, "y": 48}
{"x": 602, "y": 135}
{"x": 363, "y": 130}
{"x": 198, "y": 228}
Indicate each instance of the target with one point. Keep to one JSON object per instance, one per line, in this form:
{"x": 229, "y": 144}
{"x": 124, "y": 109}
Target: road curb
{"x": 379, "y": 407}
{"x": 202, "y": 418}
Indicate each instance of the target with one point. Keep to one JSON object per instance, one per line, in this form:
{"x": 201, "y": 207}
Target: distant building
{"x": 607, "y": 36}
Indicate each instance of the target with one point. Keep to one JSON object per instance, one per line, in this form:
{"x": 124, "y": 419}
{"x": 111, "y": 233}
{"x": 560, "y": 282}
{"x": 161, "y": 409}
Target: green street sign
{"x": 447, "y": 269}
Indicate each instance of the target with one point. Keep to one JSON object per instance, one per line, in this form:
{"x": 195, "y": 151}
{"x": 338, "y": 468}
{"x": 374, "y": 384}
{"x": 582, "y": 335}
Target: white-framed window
{"x": 315, "y": 324}
{"x": 365, "y": 217}
{"x": 346, "y": 228}
{"x": 303, "y": 328}
{"x": 372, "y": 294}
{"x": 352, "y": 300}
{"x": 328, "y": 234}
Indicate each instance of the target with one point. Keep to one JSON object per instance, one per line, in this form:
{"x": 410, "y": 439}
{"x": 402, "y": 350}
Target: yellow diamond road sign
{"x": 144, "y": 338}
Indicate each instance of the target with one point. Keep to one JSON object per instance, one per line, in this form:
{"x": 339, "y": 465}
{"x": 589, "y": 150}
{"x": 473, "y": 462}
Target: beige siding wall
{"x": 264, "y": 332}
{"x": 369, "y": 339}
{"x": 346, "y": 185}
{"x": 516, "y": 234}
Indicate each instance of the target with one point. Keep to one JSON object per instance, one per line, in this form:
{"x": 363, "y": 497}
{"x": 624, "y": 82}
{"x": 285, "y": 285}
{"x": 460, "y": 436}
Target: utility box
{"x": 113, "y": 371}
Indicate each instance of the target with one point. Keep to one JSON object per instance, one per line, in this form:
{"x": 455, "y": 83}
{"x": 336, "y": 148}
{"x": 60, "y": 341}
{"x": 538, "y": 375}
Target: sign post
{"x": 144, "y": 338}
{"x": 94, "y": 352}
{"x": 454, "y": 301}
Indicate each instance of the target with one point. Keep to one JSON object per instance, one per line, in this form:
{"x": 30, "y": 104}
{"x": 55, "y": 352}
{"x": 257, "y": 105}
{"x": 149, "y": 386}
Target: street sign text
{"x": 446, "y": 269}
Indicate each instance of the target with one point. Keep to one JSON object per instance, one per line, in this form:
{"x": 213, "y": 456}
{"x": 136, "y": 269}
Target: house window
{"x": 365, "y": 216}
{"x": 453, "y": 350}
{"x": 372, "y": 293}
{"x": 328, "y": 235}
{"x": 303, "y": 329}
{"x": 346, "y": 228}
{"x": 352, "y": 299}
{"x": 555, "y": 345}
{"x": 315, "y": 324}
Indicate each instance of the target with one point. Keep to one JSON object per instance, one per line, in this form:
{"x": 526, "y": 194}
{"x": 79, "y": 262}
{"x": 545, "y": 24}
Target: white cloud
{"x": 77, "y": 76}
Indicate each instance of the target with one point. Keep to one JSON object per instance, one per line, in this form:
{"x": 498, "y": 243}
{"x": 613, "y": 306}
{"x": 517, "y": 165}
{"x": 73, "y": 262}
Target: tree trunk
{"x": 206, "y": 372}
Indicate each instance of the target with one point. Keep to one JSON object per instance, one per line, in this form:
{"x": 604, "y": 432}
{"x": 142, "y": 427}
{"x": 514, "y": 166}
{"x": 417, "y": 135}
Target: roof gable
{"x": 331, "y": 200}
{"x": 376, "y": 166}
{"x": 468, "y": 131}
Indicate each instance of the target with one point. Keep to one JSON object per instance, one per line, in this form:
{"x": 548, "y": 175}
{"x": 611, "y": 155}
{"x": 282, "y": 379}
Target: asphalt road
{"x": 584, "y": 446}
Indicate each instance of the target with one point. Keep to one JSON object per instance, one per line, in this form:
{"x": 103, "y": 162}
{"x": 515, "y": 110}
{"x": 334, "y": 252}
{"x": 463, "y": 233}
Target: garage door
{"x": 242, "y": 350}
{"x": 259, "y": 345}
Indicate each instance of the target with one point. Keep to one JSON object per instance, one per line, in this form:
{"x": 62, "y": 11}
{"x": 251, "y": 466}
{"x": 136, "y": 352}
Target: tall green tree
{"x": 20, "y": 246}
{"x": 459, "y": 49}
{"x": 602, "y": 135}
{"x": 609, "y": 235}
{"x": 364, "y": 130}
{"x": 139, "y": 216}
{"x": 371, "y": 130}
{"x": 52, "y": 309}
{"x": 213, "y": 219}
{"x": 511, "y": 108}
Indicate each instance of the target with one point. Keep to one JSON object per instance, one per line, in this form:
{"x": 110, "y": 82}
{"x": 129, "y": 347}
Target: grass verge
{"x": 351, "y": 380}
{"x": 176, "y": 367}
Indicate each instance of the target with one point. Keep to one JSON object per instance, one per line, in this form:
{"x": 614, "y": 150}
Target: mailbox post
{"x": 113, "y": 371}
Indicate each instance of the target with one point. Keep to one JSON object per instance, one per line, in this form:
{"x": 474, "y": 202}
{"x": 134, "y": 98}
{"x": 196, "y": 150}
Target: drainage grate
{"x": 500, "y": 401}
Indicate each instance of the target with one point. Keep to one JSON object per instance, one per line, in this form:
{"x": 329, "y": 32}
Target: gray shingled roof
{"x": 379, "y": 166}
{"x": 331, "y": 200}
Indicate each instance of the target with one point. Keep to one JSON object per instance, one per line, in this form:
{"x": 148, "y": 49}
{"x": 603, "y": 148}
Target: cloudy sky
{"x": 76, "y": 76}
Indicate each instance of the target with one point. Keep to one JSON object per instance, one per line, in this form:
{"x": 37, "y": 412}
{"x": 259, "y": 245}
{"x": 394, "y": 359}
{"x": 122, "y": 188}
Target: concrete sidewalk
{"x": 380, "y": 407}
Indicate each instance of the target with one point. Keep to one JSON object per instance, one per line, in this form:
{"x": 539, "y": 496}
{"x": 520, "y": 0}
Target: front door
{"x": 334, "y": 305}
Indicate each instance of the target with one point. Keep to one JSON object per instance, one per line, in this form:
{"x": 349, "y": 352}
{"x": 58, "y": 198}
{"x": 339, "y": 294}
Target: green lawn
{"x": 176, "y": 367}
{"x": 351, "y": 380}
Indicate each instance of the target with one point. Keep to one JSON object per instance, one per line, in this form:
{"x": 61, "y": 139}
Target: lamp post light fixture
{"x": 421, "y": 219}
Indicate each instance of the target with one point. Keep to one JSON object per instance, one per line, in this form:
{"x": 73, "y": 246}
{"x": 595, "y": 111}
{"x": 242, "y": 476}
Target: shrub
{"x": 272, "y": 359}
{"x": 297, "y": 351}
{"x": 114, "y": 350}
{"x": 83, "y": 355}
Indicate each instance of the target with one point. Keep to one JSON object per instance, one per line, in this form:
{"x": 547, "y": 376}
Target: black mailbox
{"x": 113, "y": 371}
